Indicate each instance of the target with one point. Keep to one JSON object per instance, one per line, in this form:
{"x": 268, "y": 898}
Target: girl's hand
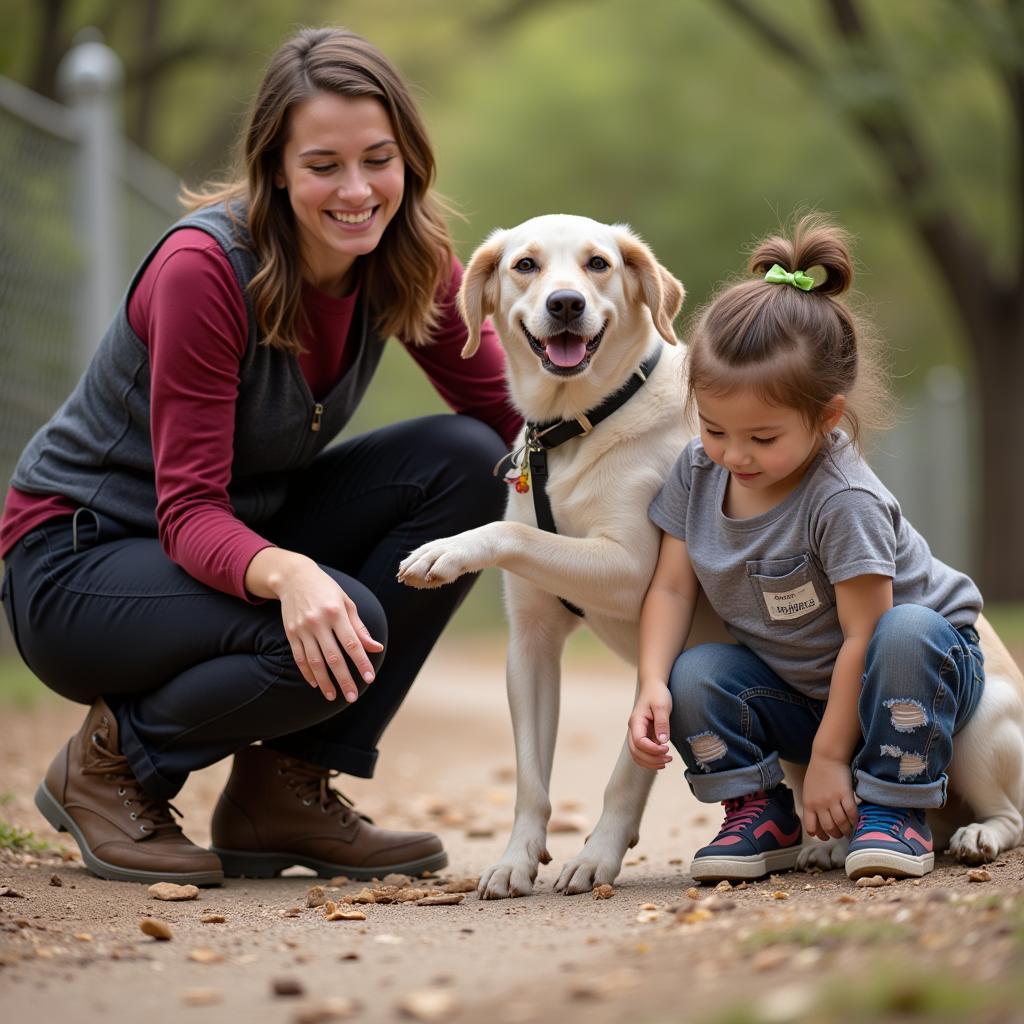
{"x": 830, "y": 808}
{"x": 320, "y": 620}
{"x": 648, "y": 733}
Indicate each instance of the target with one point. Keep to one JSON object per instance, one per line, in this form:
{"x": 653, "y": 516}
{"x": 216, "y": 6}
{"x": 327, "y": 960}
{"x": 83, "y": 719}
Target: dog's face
{"x": 563, "y": 290}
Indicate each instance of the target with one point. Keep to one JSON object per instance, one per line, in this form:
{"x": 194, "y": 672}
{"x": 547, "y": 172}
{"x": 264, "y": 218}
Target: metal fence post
{"x": 90, "y": 78}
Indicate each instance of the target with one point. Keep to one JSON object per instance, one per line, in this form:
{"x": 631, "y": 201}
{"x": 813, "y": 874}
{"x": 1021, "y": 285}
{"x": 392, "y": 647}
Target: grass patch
{"x": 1008, "y": 621}
{"x": 22, "y": 840}
{"x": 18, "y": 687}
{"x": 862, "y": 933}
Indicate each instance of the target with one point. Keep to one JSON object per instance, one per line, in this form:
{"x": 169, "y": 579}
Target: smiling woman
{"x": 184, "y": 553}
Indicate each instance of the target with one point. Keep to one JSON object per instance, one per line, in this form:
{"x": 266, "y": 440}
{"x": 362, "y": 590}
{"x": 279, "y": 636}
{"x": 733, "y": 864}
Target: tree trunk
{"x": 999, "y": 363}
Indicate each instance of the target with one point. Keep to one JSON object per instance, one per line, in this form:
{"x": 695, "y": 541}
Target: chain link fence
{"x": 49, "y": 308}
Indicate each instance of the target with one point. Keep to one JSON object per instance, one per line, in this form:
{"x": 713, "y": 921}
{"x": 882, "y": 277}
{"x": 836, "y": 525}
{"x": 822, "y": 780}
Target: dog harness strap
{"x": 542, "y": 436}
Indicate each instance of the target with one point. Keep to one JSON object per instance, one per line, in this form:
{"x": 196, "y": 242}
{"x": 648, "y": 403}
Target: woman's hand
{"x": 320, "y": 620}
{"x": 830, "y": 808}
{"x": 648, "y": 733}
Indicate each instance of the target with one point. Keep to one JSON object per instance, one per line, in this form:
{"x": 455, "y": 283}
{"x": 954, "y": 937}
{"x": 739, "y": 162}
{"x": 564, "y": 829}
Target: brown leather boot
{"x": 277, "y": 811}
{"x": 124, "y": 833}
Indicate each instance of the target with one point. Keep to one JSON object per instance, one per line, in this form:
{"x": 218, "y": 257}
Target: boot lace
{"x": 742, "y": 811}
{"x": 312, "y": 785}
{"x": 153, "y": 814}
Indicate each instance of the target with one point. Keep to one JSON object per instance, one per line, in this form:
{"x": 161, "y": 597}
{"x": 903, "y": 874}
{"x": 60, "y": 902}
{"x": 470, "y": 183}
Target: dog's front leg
{"x": 538, "y": 628}
{"x": 617, "y": 830}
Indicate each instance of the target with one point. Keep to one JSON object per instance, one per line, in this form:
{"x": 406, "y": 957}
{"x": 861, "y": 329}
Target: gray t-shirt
{"x": 772, "y": 577}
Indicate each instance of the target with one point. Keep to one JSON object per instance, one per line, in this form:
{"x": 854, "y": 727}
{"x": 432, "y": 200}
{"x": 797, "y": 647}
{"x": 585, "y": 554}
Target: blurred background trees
{"x": 703, "y": 124}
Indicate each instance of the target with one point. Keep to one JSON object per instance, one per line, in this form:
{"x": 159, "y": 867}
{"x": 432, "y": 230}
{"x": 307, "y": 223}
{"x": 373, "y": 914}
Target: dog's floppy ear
{"x": 660, "y": 291}
{"x": 478, "y": 294}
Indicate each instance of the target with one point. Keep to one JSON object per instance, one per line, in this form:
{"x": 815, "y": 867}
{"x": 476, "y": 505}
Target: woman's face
{"x": 345, "y": 177}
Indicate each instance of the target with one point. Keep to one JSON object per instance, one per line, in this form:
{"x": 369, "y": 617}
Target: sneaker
{"x": 761, "y": 833}
{"x": 891, "y": 841}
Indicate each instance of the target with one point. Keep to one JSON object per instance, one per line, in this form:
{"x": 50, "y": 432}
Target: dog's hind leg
{"x": 616, "y": 831}
{"x": 539, "y": 626}
{"x": 987, "y": 773}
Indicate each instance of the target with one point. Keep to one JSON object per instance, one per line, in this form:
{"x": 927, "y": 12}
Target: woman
{"x": 183, "y": 554}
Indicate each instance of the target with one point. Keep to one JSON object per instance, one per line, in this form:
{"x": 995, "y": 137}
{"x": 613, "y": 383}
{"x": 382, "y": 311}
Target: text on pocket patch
{"x": 791, "y": 604}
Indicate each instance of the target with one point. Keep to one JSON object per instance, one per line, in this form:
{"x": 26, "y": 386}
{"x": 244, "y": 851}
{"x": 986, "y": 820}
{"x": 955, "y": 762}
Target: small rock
{"x": 170, "y": 891}
{"x": 158, "y": 929}
{"x": 402, "y": 881}
{"x": 336, "y": 914}
{"x": 979, "y": 875}
{"x": 846, "y": 897}
{"x": 201, "y": 997}
{"x": 676, "y": 861}
{"x": 870, "y": 882}
{"x": 441, "y": 900}
{"x": 480, "y": 832}
{"x": 724, "y": 886}
{"x": 780, "y": 895}
{"x": 6, "y": 890}
{"x": 693, "y": 893}
{"x": 204, "y": 955}
{"x": 292, "y": 912}
{"x": 462, "y": 885}
{"x": 338, "y": 881}
{"x": 316, "y": 897}
{"x": 56, "y": 880}
{"x": 212, "y": 919}
{"x": 603, "y": 891}
{"x": 83, "y": 936}
{"x": 287, "y": 987}
{"x": 769, "y": 959}
{"x": 718, "y": 904}
{"x": 428, "y": 1004}
{"x": 327, "y": 1010}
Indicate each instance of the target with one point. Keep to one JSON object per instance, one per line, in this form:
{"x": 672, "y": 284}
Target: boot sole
{"x": 242, "y": 864}
{"x": 717, "y": 869}
{"x": 865, "y": 863}
{"x": 59, "y": 818}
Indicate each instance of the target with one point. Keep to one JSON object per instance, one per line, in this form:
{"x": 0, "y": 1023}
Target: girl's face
{"x": 345, "y": 177}
{"x": 765, "y": 448}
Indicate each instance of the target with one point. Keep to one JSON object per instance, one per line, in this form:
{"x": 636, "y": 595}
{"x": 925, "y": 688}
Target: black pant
{"x": 194, "y": 674}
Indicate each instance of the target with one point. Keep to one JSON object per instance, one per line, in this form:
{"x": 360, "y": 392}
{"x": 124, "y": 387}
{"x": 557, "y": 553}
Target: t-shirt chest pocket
{"x": 788, "y": 590}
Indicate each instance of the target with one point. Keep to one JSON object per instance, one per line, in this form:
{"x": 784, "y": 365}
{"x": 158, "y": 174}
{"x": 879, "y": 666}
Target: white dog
{"x": 580, "y": 307}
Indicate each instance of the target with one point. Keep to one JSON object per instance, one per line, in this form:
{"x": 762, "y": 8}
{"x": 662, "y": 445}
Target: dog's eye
{"x": 525, "y": 265}
{"x": 598, "y": 263}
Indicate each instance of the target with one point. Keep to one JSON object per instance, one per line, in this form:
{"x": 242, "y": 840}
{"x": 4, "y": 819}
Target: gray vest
{"x": 96, "y": 449}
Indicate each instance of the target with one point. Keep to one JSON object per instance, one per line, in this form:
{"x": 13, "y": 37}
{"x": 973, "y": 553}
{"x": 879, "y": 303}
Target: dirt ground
{"x": 796, "y": 947}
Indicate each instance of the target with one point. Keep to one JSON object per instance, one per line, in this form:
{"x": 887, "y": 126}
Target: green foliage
{"x": 22, "y": 840}
{"x": 18, "y": 687}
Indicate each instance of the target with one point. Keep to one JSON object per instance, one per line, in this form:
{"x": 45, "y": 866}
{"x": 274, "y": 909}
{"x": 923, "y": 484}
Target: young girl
{"x": 854, "y": 644}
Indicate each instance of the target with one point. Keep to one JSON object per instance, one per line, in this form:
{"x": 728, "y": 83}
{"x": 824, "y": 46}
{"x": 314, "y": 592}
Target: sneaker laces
{"x": 155, "y": 813}
{"x": 312, "y": 784}
{"x": 875, "y": 817}
{"x": 742, "y": 811}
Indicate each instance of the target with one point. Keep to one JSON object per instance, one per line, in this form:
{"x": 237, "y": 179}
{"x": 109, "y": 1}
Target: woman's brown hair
{"x": 795, "y": 349}
{"x": 405, "y": 270}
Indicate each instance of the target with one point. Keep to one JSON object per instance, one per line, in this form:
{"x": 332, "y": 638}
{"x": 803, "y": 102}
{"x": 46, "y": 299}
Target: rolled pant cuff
{"x": 924, "y": 796}
{"x": 145, "y": 771}
{"x": 337, "y": 756}
{"x": 712, "y": 787}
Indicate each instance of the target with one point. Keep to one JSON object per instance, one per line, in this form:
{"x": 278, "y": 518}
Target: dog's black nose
{"x": 566, "y": 304}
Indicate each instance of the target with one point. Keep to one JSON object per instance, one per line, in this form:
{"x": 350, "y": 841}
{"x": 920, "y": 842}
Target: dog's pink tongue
{"x": 566, "y": 349}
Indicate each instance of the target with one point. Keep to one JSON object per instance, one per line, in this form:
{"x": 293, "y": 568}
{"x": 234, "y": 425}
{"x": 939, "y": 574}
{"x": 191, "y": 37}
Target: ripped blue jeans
{"x": 733, "y": 718}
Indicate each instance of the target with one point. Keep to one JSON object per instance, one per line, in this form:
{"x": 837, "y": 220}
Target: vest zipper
{"x": 318, "y": 415}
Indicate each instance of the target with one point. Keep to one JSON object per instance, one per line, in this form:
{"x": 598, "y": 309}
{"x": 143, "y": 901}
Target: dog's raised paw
{"x": 974, "y": 844}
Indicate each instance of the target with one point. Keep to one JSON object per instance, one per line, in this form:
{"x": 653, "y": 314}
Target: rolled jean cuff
{"x": 143, "y": 768}
{"x": 337, "y": 756}
{"x": 924, "y": 795}
{"x": 712, "y": 787}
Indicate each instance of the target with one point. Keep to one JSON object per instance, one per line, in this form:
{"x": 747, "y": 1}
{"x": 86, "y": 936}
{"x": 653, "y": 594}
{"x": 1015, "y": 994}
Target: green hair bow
{"x": 798, "y": 279}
